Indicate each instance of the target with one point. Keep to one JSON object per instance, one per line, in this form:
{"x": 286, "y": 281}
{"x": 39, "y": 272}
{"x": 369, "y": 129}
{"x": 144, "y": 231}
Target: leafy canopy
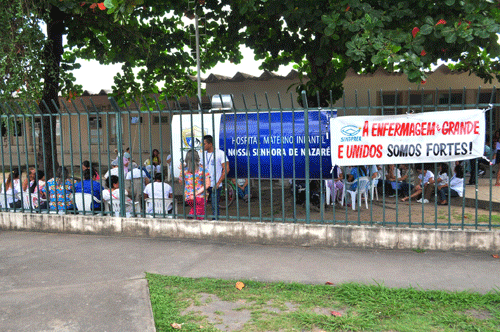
{"x": 326, "y": 38}
{"x": 153, "y": 39}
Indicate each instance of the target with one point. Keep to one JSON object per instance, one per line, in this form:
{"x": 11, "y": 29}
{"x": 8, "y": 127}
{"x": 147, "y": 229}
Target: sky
{"x": 95, "y": 77}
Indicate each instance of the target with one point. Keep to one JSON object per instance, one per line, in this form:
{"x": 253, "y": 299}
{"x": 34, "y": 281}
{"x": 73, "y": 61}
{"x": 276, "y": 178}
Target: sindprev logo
{"x": 351, "y": 131}
{"x": 192, "y": 138}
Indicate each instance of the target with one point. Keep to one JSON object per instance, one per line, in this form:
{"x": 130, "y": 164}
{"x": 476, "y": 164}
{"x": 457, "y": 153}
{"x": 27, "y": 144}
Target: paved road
{"x": 61, "y": 282}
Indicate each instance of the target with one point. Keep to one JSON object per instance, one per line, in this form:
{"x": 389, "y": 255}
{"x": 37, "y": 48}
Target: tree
{"x": 326, "y": 38}
{"x": 149, "y": 36}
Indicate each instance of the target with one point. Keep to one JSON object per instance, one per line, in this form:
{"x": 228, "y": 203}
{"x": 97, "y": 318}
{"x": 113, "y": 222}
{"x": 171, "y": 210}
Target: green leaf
{"x": 377, "y": 59}
{"x": 449, "y": 2}
{"x": 329, "y": 31}
{"x": 368, "y": 18}
{"x": 414, "y": 75}
{"x": 429, "y": 20}
{"x": 109, "y": 4}
{"x": 426, "y": 29}
{"x": 451, "y": 38}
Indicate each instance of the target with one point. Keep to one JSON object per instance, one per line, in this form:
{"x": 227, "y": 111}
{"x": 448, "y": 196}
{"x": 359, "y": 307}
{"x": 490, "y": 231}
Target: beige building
{"x": 94, "y": 128}
{"x": 443, "y": 89}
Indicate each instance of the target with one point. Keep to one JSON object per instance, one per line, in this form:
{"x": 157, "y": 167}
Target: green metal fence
{"x": 33, "y": 138}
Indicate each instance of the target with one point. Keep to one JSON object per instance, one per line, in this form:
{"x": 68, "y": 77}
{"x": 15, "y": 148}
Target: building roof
{"x": 293, "y": 74}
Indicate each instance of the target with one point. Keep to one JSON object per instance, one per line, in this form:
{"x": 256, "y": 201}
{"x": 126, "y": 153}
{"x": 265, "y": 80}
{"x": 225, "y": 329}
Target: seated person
{"x": 406, "y": 181}
{"x": 136, "y": 180}
{"x": 30, "y": 179}
{"x": 456, "y": 186}
{"x": 442, "y": 180}
{"x": 59, "y": 191}
{"x": 354, "y": 174}
{"x": 93, "y": 172}
{"x": 114, "y": 193}
{"x": 158, "y": 190}
{"x": 424, "y": 183}
{"x": 39, "y": 199}
{"x": 90, "y": 186}
{"x": 153, "y": 165}
{"x": 114, "y": 170}
{"x": 243, "y": 188}
{"x": 11, "y": 190}
{"x": 392, "y": 174}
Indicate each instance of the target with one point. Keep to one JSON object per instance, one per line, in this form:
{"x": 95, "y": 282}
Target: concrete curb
{"x": 258, "y": 232}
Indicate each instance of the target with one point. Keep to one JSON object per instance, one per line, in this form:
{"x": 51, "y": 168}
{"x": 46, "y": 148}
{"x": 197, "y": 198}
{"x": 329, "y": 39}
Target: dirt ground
{"x": 279, "y": 207}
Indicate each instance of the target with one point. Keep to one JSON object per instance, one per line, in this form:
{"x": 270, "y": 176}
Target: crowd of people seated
{"x": 57, "y": 194}
{"x": 406, "y": 181}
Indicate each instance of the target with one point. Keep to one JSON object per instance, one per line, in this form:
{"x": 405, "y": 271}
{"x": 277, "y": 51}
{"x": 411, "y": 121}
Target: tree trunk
{"x": 47, "y": 151}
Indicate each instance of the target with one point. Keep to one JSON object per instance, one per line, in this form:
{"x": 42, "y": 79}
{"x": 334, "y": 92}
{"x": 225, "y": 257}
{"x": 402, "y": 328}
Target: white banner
{"x": 407, "y": 138}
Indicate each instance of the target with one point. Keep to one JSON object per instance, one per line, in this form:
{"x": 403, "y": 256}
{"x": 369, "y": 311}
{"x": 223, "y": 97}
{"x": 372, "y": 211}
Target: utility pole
{"x": 194, "y": 5}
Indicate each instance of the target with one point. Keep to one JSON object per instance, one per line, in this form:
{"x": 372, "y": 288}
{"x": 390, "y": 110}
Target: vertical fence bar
{"x": 294, "y": 191}
{"x": 183, "y": 168}
{"x": 492, "y": 98}
{"x": 119, "y": 145}
{"x": 306, "y": 146}
{"x": 282, "y": 169}
{"x": 270, "y": 160}
{"x": 71, "y": 154}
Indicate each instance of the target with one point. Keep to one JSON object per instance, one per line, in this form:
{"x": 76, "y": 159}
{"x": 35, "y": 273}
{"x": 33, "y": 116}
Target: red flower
{"x": 423, "y": 53}
{"x": 347, "y": 9}
{"x": 423, "y": 82}
{"x": 415, "y": 31}
{"x": 92, "y": 6}
{"x": 441, "y": 21}
{"x": 101, "y": 6}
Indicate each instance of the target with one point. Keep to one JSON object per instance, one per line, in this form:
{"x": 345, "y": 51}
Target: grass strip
{"x": 283, "y": 306}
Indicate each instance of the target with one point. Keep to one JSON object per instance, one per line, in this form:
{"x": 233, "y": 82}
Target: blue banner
{"x": 273, "y": 144}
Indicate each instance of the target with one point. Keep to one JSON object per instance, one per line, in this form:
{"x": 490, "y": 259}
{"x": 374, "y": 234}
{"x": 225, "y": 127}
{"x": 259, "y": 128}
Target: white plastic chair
{"x": 373, "y": 186}
{"x": 160, "y": 206}
{"x": 4, "y": 198}
{"x": 28, "y": 200}
{"x": 328, "y": 193}
{"x": 361, "y": 189}
{"x": 115, "y": 207}
{"x": 84, "y": 201}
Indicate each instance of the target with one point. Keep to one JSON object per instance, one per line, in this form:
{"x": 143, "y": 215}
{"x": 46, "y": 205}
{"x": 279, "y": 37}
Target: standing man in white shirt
{"x": 217, "y": 165}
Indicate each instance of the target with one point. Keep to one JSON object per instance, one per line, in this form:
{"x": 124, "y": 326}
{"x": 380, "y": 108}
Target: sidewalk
{"x": 63, "y": 282}
{"x": 483, "y": 189}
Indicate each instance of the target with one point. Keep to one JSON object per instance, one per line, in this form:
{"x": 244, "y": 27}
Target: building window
{"x": 163, "y": 119}
{"x": 16, "y": 128}
{"x": 486, "y": 98}
{"x": 421, "y": 101}
{"x": 95, "y": 124}
{"x": 456, "y": 99}
{"x": 389, "y": 103}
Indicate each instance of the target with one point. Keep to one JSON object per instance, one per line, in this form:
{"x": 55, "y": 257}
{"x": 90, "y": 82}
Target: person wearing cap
{"x": 126, "y": 159}
{"x": 113, "y": 171}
